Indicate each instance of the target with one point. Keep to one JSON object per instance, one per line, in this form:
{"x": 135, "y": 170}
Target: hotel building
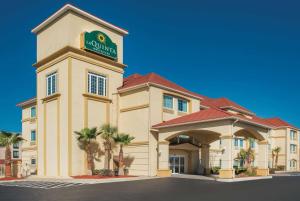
{"x": 80, "y": 83}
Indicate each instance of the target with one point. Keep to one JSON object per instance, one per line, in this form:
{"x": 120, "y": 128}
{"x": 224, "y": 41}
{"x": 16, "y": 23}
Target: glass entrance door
{"x": 176, "y": 164}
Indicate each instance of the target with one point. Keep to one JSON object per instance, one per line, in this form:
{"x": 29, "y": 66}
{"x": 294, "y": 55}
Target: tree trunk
{"x": 89, "y": 161}
{"x": 276, "y": 160}
{"x": 121, "y": 161}
{"x": 107, "y": 146}
{"x": 7, "y": 162}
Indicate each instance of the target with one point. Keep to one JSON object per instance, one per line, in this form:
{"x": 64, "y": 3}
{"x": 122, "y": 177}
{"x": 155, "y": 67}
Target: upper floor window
{"x": 96, "y": 84}
{"x": 293, "y": 148}
{"x": 33, "y": 161}
{"x": 33, "y": 112}
{"x": 33, "y": 136}
{"x": 16, "y": 146}
{"x": 51, "y": 84}
{"x": 182, "y": 105}
{"x": 168, "y": 102}
{"x": 293, "y": 135}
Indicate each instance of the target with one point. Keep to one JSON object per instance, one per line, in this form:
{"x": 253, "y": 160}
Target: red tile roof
{"x": 223, "y": 103}
{"x": 211, "y": 114}
{"x": 278, "y": 123}
{"x": 152, "y": 78}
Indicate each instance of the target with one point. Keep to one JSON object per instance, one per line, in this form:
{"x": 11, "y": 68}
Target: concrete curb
{"x": 244, "y": 179}
{"x": 82, "y": 181}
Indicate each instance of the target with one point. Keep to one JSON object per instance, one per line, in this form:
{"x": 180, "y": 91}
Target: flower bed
{"x": 99, "y": 177}
{"x": 9, "y": 178}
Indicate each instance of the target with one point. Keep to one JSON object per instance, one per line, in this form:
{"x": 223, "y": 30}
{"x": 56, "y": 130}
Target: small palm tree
{"x": 123, "y": 140}
{"x": 275, "y": 153}
{"x": 247, "y": 156}
{"x": 7, "y": 139}
{"x": 85, "y": 137}
{"x": 108, "y": 133}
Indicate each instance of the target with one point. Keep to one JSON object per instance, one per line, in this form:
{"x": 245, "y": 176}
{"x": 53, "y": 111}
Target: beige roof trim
{"x": 69, "y": 7}
{"x": 209, "y": 120}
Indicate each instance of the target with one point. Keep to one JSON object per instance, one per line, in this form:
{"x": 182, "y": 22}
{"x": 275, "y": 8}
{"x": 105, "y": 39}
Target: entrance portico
{"x": 202, "y": 134}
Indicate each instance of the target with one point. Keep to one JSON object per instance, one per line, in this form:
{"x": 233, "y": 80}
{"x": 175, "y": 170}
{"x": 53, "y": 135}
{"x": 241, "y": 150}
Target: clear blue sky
{"x": 248, "y": 52}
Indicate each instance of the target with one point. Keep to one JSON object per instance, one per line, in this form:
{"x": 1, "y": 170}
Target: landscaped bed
{"x": 9, "y": 178}
{"x": 100, "y": 177}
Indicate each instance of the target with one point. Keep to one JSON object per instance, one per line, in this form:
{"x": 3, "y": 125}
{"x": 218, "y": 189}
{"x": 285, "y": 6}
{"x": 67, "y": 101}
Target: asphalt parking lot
{"x": 166, "y": 189}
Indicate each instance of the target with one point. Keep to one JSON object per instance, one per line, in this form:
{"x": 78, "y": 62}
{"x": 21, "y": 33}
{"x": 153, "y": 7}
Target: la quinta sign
{"x": 98, "y": 42}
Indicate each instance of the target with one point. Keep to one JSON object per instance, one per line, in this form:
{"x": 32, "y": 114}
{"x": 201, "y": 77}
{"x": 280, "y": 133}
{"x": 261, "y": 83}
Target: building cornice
{"x": 69, "y": 8}
{"x": 77, "y": 51}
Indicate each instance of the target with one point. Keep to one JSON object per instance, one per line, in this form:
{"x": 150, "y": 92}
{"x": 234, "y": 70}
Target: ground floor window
{"x": 293, "y": 163}
{"x": 33, "y": 161}
{"x": 15, "y": 154}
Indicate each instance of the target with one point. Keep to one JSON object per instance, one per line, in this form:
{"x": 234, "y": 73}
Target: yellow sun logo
{"x": 101, "y": 38}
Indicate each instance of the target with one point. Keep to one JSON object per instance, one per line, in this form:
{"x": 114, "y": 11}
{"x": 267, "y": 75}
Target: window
{"x": 51, "y": 84}
{"x": 33, "y": 161}
{"x": 96, "y": 84}
{"x": 293, "y": 148}
{"x": 15, "y": 154}
{"x": 293, "y": 135}
{"x": 236, "y": 142}
{"x": 16, "y": 146}
{"x": 182, "y": 105}
{"x": 168, "y": 102}
{"x": 252, "y": 143}
{"x": 241, "y": 143}
{"x": 33, "y": 136}
{"x": 293, "y": 163}
{"x": 32, "y": 112}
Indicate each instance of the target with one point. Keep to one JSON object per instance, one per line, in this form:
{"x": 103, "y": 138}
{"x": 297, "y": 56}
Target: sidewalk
{"x": 84, "y": 181}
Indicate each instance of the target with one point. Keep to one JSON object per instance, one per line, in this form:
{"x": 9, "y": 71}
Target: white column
{"x": 227, "y": 170}
{"x": 163, "y": 159}
{"x": 205, "y": 158}
{"x": 262, "y": 159}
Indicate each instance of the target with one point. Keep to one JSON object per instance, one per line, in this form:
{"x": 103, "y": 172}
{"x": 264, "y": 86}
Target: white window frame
{"x": 89, "y": 84}
{"x": 293, "y": 148}
{"x": 53, "y": 90}
{"x": 293, "y": 135}
{"x": 31, "y": 136}
{"x": 31, "y": 111}
{"x": 169, "y": 108}
{"x": 186, "y": 105}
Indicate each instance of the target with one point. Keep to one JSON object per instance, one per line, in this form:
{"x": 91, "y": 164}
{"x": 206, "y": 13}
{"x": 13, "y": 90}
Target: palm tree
{"x": 7, "y": 139}
{"x": 247, "y": 156}
{"x": 123, "y": 140}
{"x": 108, "y": 133}
{"x": 275, "y": 153}
{"x": 85, "y": 138}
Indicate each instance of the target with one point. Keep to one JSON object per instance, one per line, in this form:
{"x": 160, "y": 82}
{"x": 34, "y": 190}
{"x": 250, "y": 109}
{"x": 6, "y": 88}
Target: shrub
{"x": 215, "y": 170}
{"x": 240, "y": 170}
{"x": 106, "y": 172}
{"x": 95, "y": 172}
{"x": 280, "y": 167}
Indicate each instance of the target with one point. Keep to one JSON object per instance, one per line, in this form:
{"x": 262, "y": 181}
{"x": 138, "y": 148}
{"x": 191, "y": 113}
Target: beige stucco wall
{"x": 28, "y": 149}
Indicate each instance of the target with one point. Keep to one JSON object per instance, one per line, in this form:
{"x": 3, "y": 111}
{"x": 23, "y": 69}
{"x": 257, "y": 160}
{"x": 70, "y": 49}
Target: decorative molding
{"x": 134, "y": 108}
{"x": 138, "y": 143}
{"x": 29, "y": 148}
{"x": 170, "y": 111}
{"x": 42, "y": 64}
{"x": 94, "y": 97}
{"x": 50, "y": 98}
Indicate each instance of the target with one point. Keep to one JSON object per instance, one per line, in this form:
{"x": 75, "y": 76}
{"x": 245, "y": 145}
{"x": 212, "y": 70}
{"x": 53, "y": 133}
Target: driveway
{"x": 165, "y": 189}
